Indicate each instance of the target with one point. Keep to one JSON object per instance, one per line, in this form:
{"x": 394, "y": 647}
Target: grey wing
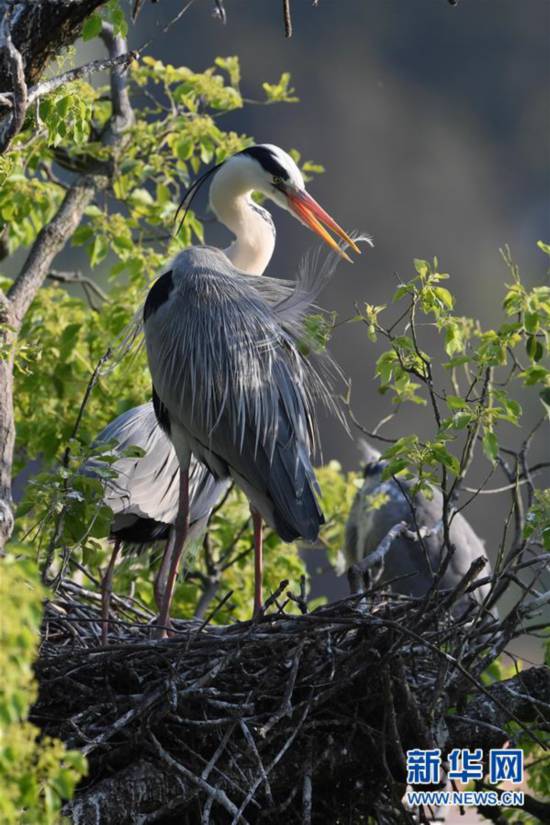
{"x": 278, "y": 477}
{"x": 367, "y": 526}
{"x": 146, "y": 486}
{"x": 413, "y": 562}
{"x": 467, "y": 544}
{"x": 236, "y": 389}
{"x": 471, "y": 547}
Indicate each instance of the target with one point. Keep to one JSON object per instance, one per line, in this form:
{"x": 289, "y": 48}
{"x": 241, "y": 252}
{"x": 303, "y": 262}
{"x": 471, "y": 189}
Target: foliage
{"x": 483, "y": 372}
{"x": 36, "y": 774}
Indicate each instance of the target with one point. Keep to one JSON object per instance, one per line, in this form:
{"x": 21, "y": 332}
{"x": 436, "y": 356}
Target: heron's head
{"x": 271, "y": 171}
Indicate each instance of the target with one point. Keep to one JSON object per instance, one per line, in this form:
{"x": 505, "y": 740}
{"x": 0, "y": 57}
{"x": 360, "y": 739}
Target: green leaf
{"x": 461, "y": 420}
{"x": 531, "y": 320}
{"x": 535, "y": 375}
{"x": 117, "y": 18}
{"x": 490, "y": 445}
{"x": 444, "y": 296}
{"x": 184, "y": 148}
{"x": 544, "y": 396}
{"x": 394, "y": 467}
{"x": 406, "y": 289}
{"x": 455, "y": 402}
{"x": 92, "y": 26}
{"x": 446, "y": 458}
{"x": 535, "y": 350}
{"x": 422, "y": 267}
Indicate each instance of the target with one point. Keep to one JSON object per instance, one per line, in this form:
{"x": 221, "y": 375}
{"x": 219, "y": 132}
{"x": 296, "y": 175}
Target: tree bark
{"x": 40, "y": 31}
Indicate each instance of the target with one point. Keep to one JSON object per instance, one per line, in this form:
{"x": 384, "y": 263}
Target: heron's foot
{"x": 164, "y": 631}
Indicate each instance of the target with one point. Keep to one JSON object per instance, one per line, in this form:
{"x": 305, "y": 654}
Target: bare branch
{"x": 51, "y": 240}
{"x": 287, "y": 18}
{"x": 122, "y": 116}
{"x": 47, "y": 86}
{"x": 80, "y": 279}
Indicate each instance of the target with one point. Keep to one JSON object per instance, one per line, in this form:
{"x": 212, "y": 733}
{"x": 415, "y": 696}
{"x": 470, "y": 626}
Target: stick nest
{"x": 306, "y": 717}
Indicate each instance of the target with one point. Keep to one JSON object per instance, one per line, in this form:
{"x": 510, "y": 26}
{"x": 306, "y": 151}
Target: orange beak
{"x": 313, "y": 215}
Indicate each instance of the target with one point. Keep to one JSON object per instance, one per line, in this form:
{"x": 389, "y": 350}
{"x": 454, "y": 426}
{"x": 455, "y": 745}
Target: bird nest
{"x": 306, "y": 717}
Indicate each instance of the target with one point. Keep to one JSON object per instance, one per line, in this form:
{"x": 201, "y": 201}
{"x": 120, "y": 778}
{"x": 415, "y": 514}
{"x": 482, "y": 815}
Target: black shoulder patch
{"x": 161, "y": 413}
{"x": 373, "y": 468}
{"x": 267, "y": 160}
{"x": 158, "y": 294}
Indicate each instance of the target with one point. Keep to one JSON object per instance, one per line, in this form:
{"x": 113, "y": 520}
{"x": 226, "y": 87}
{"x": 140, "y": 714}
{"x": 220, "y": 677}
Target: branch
{"x": 51, "y": 240}
{"x": 121, "y": 61}
{"x": 287, "y": 18}
{"x": 78, "y": 278}
{"x": 123, "y": 116}
{"x": 19, "y": 99}
{"x": 484, "y": 718}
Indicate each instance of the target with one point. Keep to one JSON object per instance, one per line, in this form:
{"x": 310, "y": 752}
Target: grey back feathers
{"x": 380, "y": 505}
{"x": 143, "y": 494}
{"x": 226, "y": 364}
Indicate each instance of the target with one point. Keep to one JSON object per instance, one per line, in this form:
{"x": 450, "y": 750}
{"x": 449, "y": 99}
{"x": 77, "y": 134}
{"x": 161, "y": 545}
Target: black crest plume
{"x": 193, "y": 190}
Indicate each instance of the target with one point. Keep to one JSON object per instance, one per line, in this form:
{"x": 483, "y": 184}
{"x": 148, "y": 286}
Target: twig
{"x": 287, "y": 18}
{"x": 216, "y": 794}
{"x": 77, "y": 278}
{"x": 46, "y": 87}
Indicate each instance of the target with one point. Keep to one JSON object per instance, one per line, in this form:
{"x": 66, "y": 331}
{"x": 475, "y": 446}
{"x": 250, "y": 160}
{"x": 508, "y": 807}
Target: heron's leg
{"x": 162, "y": 573}
{"x": 106, "y": 592}
{"x": 174, "y": 550}
{"x": 258, "y": 560}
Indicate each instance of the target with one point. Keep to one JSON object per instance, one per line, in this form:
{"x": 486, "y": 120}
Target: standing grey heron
{"x": 230, "y": 385}
{"x": 409, "y": 564}
{"x": 142, "y": 491}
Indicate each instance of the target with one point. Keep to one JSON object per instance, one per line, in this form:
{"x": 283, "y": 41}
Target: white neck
{"x": 231, "y": 202}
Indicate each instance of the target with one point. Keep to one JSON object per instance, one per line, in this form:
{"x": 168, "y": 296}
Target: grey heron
{"x": 142, "y": 491}
{"x": 410, "y": 564}
{"x": 230, "y": 385}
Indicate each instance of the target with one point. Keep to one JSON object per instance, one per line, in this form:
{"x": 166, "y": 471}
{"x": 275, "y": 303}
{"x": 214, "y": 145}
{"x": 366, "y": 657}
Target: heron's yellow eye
{"x": 277, "y": 181}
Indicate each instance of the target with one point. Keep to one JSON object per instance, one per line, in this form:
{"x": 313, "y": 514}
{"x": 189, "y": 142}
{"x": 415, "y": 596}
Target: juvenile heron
{"x": 380, "y": 505}
{"x": 230, "y": 384}
{"x": 142, "y": 491}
